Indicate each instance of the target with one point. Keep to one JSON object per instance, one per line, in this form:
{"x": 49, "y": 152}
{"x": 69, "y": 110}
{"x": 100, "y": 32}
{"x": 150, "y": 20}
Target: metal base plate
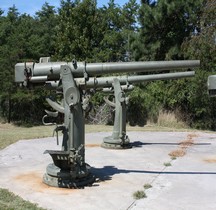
{"x": 56, "y": 178}
{"x": 111, "y": 143}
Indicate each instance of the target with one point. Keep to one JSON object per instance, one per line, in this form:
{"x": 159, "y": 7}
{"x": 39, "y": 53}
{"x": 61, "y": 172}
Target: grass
{"x": 168, "y": 119}
{"x": 10, "y": 201}
{"x": 167, "y": 164}
{"x": 139, "y": 194}
{"x": 147, "y": 186}
{"x": 10, "y": 133}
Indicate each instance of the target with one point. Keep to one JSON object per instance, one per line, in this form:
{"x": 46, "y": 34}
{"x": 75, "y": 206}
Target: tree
{"x": 112, "y": 43}
{"x": 77, "y": 33}
{"x": 22, "y": 38}
{"x": 97, "y": 35}
{"x": 164, "y": 26}
{"x": 130, "y": 26}
{"x": 46, "y": 30}
{"x": 9, "y": 55}
{"x": 202, "y": 45}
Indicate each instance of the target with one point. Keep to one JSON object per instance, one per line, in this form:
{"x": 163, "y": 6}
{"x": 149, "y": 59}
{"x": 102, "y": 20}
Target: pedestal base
{"x": 111, "y": 143}
{"x": 56, "y": 177}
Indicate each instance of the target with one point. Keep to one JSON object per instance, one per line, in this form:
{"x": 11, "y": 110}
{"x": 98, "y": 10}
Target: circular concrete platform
{"x": 187, "y": 183}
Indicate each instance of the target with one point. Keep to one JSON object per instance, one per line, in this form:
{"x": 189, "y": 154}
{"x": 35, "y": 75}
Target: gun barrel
{"x": 52, "y": 69}
{"x": 107, "y": 81}
{"x": 93, "y": 69}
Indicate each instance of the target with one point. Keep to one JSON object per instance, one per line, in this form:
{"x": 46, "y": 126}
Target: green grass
{"x": 139, "y": 194}
{"x": 10, "y": 201}
{"x": 147, "y": 186}
{"x": 167, "y": 164}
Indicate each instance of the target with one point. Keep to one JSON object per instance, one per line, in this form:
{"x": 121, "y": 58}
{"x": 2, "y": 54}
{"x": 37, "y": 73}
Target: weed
{"x": 147, "y": 186}
{"x": 139, "y": 194}
{"x": 167, "y": 164}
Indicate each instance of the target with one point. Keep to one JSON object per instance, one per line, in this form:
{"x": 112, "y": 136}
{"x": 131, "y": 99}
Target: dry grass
{"x": 168, "y": 119}
{"x": 183, "y": 145}
{"x": 186, "y": 143}
{"x": 10, "y": 133}
{"x": 177, "y": 153}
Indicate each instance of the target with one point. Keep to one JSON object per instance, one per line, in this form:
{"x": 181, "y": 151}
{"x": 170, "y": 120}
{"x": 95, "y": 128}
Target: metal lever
{"x": 57, "y": 129}
{"x": 49, "y": 114}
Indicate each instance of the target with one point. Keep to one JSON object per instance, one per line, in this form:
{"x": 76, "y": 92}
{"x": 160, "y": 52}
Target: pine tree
{"x": 164, "y": 26}
{"x": 77, "y": 33}
{"x": 46, "y": 30}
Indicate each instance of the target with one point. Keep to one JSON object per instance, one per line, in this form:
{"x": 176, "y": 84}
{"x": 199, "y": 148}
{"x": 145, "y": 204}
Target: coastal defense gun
{"x": 69, "y": 168}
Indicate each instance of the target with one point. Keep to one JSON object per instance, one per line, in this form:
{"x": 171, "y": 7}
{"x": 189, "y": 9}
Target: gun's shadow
{"x": 106, "y": 173}
{"x": 140, "y": 144}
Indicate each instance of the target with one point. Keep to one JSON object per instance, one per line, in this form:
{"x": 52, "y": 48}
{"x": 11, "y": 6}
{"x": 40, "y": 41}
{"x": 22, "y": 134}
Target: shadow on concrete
{"x": 106, "y": 173}
{"x": 140, "y": 144}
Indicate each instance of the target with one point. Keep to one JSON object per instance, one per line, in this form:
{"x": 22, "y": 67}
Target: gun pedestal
{"x": 69, "y": 169}
{"x": 118, "y": 139}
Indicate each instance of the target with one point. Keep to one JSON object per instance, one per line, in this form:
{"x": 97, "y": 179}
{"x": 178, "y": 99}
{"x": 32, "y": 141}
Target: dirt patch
{"x": 192, "y": 135}
{"x": 210, "y": 160}
{"x": 33, "y": 180}
{"x": 187, "y": 143}
{"x": 183, "y": 145}
{"x": 177, "y": 153}
{"x": 92, "y": 145}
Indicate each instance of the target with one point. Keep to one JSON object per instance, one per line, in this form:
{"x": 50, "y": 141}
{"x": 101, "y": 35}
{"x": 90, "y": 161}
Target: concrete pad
{"x": 189, "y": 183}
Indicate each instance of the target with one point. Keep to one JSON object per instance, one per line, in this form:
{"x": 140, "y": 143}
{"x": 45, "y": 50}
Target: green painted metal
{"x": 101, "y": 82}
{"x": 211, "y": 84}
{"x": 69, "y": 168}
{"x": 118, "y": 139}
{"x": 41, "y": 72}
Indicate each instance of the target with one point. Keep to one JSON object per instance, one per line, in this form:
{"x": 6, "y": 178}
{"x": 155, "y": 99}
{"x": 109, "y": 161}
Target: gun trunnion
{"x": 69, "y": 169}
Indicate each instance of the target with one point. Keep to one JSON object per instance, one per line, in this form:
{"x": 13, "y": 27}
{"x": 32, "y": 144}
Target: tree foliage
{"x": 153, "y": 30}
{"x": 164, "y": 25}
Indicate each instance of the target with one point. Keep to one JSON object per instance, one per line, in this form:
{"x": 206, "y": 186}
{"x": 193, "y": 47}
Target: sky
{"x": 32, "y": 6}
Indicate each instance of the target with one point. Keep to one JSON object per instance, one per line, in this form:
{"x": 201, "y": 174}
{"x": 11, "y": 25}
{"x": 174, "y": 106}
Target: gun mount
{"x": 69, "y": 168}
{"x": 119, "y": 139}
